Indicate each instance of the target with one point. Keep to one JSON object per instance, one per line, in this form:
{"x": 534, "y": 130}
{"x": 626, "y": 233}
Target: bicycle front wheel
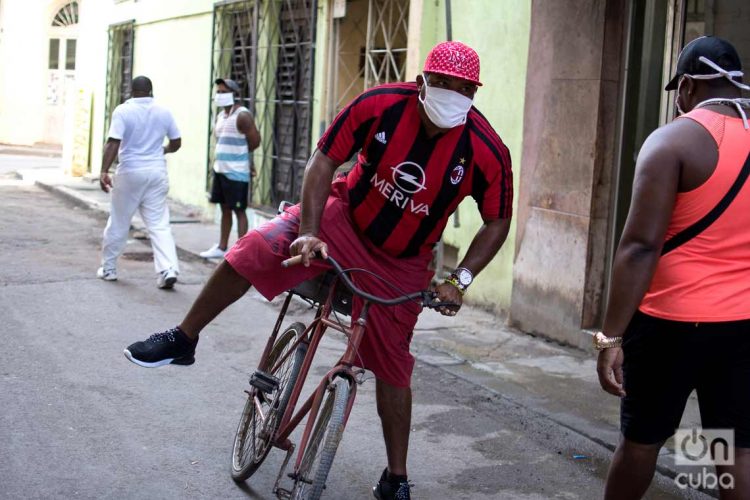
{"x": 252, "y": 441}
{"x": 324, "y": 440}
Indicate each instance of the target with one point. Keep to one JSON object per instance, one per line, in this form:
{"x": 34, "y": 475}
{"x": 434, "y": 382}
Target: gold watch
{"x": 602, "y": 342}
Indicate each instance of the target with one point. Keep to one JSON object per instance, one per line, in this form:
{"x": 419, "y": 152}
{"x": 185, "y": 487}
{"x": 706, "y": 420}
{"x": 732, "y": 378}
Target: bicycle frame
{"x": 312, "y": 336}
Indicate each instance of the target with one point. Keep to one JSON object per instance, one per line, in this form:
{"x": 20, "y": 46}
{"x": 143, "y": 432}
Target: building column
{"x": 570, "y": 126}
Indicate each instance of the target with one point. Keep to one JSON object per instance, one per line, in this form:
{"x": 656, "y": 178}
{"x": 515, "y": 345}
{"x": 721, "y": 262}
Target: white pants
{"x": 146, "y": 191}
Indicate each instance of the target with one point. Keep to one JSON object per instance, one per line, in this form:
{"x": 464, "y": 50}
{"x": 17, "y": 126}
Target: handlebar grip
{"x": 430, "y": 301}
{"x": 292, "y": 261}
{"x": 297, "y": 259}
{"x": 448, "y": 305}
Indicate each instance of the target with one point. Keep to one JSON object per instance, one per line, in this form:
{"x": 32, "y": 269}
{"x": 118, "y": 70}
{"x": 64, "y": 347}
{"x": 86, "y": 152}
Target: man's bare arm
{"x": 655, "y": 189}
{"x": 246, "y": 126}
{"x": 108, "y": 157}
{"x": 482, "y": 249}
{"x": 173, "y": 146}
{"x": 655, "y": 186}
{"x": 486, "y": 243}
{"x": 316, "y": 186}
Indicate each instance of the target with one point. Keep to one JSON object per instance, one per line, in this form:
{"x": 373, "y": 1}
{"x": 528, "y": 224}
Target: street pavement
{"x": 497, "y": 413}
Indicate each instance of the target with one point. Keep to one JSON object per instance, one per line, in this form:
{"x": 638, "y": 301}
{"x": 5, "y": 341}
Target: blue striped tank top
{"x": 232, "y": 155}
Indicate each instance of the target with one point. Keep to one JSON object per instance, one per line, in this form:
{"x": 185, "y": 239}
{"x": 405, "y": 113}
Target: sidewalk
{"x": 554, "y": 381}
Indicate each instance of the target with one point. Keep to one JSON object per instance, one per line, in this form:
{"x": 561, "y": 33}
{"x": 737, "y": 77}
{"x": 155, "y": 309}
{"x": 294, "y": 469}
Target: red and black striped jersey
{"x": 404, "y": 185}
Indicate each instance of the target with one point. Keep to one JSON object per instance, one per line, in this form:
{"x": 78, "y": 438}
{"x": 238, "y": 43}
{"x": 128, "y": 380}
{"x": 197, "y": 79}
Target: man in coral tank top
{"x": 678, "y": 317}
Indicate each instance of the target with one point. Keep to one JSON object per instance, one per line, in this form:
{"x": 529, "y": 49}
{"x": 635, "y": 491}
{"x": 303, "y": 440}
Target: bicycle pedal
{"x": 264, "y": 382}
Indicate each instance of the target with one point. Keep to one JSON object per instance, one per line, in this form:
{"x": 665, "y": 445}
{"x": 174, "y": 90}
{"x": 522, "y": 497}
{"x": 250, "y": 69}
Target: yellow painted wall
{"x": 180, "y": 68}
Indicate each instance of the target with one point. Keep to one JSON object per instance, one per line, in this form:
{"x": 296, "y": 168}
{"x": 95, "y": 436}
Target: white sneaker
{"x": 213, "y": 253}
{"x": 106, "y": 274}
{"x": 166, "y": 279}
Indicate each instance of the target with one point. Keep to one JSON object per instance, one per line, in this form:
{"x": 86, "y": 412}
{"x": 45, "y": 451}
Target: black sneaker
{"x": 392, "y": 487}
{"x": 160, "y": 349}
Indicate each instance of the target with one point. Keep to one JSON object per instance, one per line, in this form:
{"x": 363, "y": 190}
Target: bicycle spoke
{"x": 263, "y": 411}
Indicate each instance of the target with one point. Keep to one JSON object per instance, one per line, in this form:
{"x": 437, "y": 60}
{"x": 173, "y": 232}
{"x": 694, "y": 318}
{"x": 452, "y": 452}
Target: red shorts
{"x": 385, "y": 346}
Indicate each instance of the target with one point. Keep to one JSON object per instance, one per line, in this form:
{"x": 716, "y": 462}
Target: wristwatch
{"x": 461, "y": 278}
{"x": 602, "y": 342}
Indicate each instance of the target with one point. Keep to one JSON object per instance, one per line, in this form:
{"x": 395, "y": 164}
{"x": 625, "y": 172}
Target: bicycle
{"x": 268, "y": 418}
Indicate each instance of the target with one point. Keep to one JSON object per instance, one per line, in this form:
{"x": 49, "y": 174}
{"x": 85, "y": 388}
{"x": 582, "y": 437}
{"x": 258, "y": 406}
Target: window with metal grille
{"x": 368, "y": 47}
{"x": 119, "y": 68}
{"x": 267, "y": 47}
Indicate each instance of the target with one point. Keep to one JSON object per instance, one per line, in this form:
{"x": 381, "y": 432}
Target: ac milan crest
{"x": 457, "y": 174}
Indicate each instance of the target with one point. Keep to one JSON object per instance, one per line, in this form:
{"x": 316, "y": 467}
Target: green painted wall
{"x": 499, "y": 31}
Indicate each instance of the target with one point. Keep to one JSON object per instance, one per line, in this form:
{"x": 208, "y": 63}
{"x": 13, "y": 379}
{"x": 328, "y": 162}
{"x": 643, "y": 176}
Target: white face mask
{"x": 445, "y": 108}
{"x": 224, "y": 99}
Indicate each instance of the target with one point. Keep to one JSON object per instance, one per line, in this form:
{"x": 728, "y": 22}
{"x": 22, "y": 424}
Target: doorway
{"x": 61, "y": 66}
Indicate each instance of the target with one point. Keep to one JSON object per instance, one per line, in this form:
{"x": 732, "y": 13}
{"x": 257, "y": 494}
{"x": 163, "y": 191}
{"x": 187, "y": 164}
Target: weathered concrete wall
{"x": 565, "y": 176}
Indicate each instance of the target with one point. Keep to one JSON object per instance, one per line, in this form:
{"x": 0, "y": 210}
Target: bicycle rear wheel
{"x": 324, "y": 440}
{"x": 252, "y": 441}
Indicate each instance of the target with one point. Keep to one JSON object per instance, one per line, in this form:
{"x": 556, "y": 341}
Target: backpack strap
{"x": 699, "y": 226}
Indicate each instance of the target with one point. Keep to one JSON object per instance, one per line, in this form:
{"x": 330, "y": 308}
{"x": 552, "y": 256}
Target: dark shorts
{"x": 229, "y": 193}
{"x": 384, "y": 350}
{"x": 666, "y": 360}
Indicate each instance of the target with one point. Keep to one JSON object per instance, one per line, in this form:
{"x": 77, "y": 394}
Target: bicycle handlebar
{"x": 429, "y": 298}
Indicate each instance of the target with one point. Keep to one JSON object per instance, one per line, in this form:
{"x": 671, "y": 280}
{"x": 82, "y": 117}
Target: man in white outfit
{"x": 137, "y": 135}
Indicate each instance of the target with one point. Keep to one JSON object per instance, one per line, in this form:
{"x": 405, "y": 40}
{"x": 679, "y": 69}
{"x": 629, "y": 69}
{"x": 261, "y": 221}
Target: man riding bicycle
{"x": 420, "y": 149}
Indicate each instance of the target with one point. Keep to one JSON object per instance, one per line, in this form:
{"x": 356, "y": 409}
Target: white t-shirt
{"x": 141, "y": 126}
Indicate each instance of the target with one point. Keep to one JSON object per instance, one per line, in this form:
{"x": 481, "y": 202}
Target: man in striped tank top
{"x": 236, "y": 136}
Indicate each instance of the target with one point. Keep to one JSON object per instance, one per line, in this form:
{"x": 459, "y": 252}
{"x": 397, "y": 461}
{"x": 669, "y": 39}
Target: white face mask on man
{"x": 444, "y": 107}
{"x": 224, "y": 99}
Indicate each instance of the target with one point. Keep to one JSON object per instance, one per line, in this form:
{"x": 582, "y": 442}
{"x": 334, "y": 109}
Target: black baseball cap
{"x": 713, "y": 48}
{"x": 230, "y": 84}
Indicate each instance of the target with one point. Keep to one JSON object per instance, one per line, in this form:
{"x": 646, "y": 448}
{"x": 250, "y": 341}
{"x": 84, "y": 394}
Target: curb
{"x": 73, "y": 196}
{"x": 102, "y": 209}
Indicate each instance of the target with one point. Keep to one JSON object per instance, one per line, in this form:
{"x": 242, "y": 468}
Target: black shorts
{"x": 666, "y": 360}
{"x": 229, "y": 193}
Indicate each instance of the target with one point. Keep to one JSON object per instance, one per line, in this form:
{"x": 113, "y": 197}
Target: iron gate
{"x": 268, "y": 47}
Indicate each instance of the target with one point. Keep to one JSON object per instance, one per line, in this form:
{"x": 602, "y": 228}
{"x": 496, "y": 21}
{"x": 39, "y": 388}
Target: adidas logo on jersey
{"x": 380, "y": 137}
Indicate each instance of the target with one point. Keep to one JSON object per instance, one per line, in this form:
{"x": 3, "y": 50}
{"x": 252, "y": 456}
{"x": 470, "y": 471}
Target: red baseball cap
{"x": 454, "y": 59}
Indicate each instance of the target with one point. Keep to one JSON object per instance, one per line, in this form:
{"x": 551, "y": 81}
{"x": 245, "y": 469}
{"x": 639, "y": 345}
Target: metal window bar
{"x": 67, "y": 15}
{"x": 385, "y": 50}
{"x": 377, "y": 40}
{"x": 119, "y": 68}
{"x": 268, "y": 46}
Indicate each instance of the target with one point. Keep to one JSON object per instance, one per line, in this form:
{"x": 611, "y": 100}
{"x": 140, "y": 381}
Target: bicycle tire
{"x": 243, "y": 465}
{"x": 328, "y": 430}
